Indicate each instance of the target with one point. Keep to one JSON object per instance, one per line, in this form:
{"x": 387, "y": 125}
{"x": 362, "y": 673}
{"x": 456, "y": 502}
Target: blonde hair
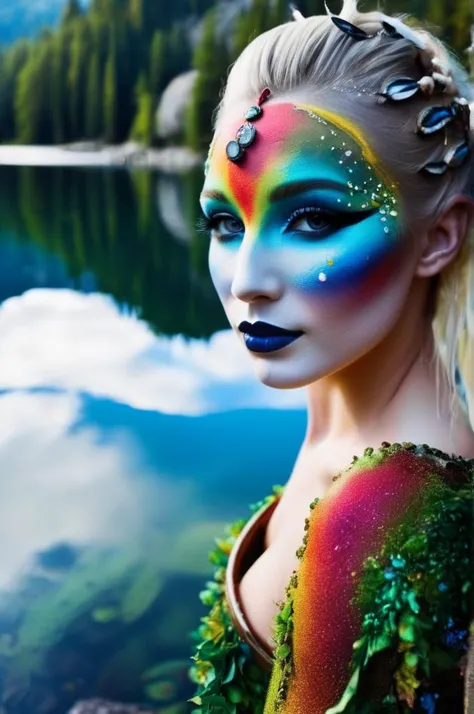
{"x": 312, "y": 56}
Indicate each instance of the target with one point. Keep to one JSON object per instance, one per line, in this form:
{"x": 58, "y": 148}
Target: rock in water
{"x": 170, "y": 115}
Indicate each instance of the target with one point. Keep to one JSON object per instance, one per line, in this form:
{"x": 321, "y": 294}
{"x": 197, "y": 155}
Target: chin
{"x": 280, "y": 376}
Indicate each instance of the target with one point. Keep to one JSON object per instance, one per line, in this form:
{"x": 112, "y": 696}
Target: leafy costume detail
{"x": 376, "y": 619}
{"x": 228, "y": 681}
{"x": 383, "y": 598}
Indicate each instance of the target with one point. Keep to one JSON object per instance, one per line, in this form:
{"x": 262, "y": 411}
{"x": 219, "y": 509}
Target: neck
{"x": 376, "y": 398}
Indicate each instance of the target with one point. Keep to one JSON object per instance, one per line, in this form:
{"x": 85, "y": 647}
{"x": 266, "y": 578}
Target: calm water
{"x": 131, "y": 432}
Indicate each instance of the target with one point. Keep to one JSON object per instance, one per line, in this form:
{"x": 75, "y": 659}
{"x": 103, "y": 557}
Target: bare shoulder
{"x": 467, "y": 444}
{"x": 458, "y": 437}
{"x": 423, "y": 424}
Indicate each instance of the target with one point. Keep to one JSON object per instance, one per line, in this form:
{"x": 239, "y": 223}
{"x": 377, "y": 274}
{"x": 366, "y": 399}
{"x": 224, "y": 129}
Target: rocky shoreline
{"x": 172, "y": 159}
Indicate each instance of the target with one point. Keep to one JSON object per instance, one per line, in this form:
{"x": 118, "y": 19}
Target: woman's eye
{"x": 231, "y": 225}
{"x": 223, "y": 227}
{"x": 317, "y": 222}
{"x": 312, "y": 221}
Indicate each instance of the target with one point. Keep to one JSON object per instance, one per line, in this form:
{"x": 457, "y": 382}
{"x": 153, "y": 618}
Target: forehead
{"x": 293, "y": 143}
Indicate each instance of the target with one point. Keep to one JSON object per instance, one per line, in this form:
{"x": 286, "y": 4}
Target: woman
{"x": 340, "y": 213}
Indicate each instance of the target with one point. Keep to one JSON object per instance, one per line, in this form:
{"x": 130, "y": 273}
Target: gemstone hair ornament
{"x": 436, "y": 118}
{"x": 391, "y": 26}
{"x": 246, "y": 133}
{"x": 431, "y": 119}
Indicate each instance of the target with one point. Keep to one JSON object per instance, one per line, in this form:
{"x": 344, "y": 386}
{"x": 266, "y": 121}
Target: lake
{"x": 132, "y": 431}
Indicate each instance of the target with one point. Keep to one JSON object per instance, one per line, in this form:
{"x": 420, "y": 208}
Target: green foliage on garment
{"x": 229, "y": 682}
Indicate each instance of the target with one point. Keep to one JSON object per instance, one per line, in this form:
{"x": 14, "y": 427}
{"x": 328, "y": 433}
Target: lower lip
{"x": 268, "y": 344}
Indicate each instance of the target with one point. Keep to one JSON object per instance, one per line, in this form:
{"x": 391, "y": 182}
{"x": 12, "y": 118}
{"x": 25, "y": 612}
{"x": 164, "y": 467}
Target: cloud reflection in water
{"x": 105, "y": 529}
{"x": 70, "y": 341}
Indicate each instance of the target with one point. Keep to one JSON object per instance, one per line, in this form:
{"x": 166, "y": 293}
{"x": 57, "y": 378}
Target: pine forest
{"x": 100, "y": 74}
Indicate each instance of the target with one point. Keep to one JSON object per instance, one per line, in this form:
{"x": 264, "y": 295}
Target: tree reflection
{"x": 107, "y": 223}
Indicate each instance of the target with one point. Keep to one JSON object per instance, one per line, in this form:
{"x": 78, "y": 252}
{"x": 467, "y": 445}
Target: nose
{"x": 257, "y": 276}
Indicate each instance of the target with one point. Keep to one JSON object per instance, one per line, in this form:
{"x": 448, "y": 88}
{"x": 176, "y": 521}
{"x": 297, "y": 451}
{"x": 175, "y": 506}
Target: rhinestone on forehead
{"x": 247, "y": 132}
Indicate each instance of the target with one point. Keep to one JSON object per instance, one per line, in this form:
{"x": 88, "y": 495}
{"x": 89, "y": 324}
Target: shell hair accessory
{"x": 437, "y": 80}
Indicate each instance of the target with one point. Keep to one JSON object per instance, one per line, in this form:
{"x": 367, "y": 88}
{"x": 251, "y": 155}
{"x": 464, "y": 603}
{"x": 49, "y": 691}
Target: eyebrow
{"x": 286, "y": 190}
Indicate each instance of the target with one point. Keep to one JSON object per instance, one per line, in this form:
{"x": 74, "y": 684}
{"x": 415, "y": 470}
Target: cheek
{"x": 221, "y": 266}
{"x": 361, "y": 264}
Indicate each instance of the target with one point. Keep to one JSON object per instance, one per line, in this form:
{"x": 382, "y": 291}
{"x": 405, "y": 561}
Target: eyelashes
{"x": 328, "y": 222}
{"x": 207, "y": 225}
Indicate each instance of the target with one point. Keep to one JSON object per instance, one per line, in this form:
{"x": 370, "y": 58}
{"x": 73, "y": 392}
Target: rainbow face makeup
{"x": 325, "y": 173}
{"x": 307, "y": 220}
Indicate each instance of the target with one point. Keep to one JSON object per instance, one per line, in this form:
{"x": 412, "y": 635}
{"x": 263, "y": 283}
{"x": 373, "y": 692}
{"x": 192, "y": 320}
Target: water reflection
{"x": 108, "y": 224}
{"x": 125, "y": 446}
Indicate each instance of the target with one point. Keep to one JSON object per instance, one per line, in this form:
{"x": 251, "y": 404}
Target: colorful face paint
{"x": 306, "y": 235}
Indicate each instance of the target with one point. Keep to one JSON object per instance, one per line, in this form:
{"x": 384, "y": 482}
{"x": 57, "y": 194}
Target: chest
{"x": 348, "y": 524}
{"x": 264, "y": 584}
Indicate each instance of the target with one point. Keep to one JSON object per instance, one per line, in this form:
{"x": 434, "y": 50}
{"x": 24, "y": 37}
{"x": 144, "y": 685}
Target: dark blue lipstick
{"x": 263, "y": 337}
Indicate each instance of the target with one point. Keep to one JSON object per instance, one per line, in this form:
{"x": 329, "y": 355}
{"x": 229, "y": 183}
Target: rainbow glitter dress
{"x": 377, "y": 616}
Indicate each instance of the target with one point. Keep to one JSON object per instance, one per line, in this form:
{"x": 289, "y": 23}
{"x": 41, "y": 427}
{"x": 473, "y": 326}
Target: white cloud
{"x": 82, "y": 343}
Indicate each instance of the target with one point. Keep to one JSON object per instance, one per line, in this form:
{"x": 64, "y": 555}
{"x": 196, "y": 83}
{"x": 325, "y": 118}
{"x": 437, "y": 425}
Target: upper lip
{"x": 265, "y": 329}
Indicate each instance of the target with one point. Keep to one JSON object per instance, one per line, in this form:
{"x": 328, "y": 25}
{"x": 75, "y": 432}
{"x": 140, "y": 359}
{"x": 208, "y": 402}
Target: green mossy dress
{"x": 377, "y": 617}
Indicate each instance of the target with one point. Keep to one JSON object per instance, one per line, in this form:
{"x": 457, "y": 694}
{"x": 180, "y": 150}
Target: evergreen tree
{"x": 471, "y": 53}
{"x": 143, "y": 125}
{"x": 71, "y": 11}
{"x": 77, "y": 76}
{"x": 12, "y": 62}
{"x": 279, "y": 13}
{"x": 33, "y": 98}
{"x": 461, "y": 19}
{"x": 250, "y": 24}
{"x": 110, "y": 93}
{"x": 211, "y": 61}
{"x": 157, "y": 63}
{"x": 137, "y": 14}
{"x": 93, "y": 104}
{"x": 130, "y": 64}
{"x": 82, "y": 79}
{"x": 58, "y": 88}
{"x": 26, "y": 104}
{"x": 178, "y": 53}
{"x": 310, "y": 7}
{"x": 200, "y": 7}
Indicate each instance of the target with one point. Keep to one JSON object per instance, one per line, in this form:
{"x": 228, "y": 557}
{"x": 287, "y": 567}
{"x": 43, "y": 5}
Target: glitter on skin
{"x": 349, "y": 524}
{"x": 269, "y": 252}
{"x": 354, "y": 519}
{"x": 293, "y": 145}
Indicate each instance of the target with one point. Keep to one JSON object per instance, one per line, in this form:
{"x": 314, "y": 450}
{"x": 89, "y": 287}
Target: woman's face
{"x": 306, "y": 236}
